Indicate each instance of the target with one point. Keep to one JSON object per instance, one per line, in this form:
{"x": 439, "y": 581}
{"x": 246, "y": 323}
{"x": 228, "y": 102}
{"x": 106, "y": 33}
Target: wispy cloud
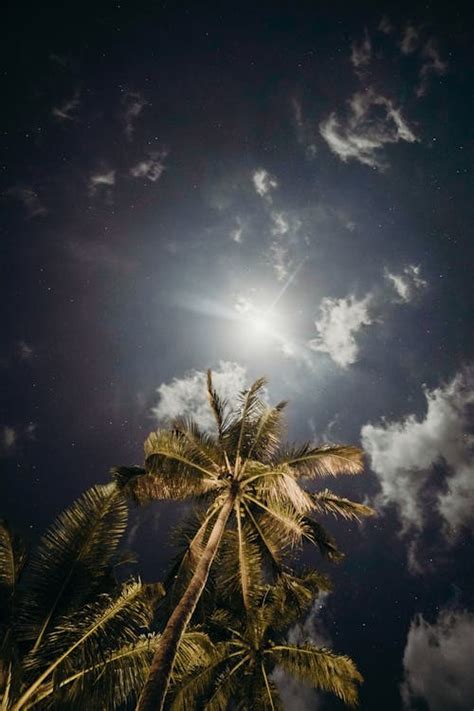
{"x": 361, "y": 52}
{"x": 11, "y": 437}
{"x": 305, "y": 130}
{"x": 133, "y": 103}
{"x": 437, "y": 662}
{"x": 98, "y": 255}
{"x": 67, "y": 111}
{"x": 264, "y": 183}
{"x": 152, "y": 168}
{"x": 284, "y": 230}
{"x": 371, "y": 123}
{"x": 432, "y": 64}
{"x": 236, "y": 234}
{"x": 29, "y": 198}
{"x": 340, "y": 322}
{"x": 188, "y": 395}
{"x": 407, "y": 284}
{"x": 410, "y": 40}
{"x": 403, "y": 455}
{"x": 385, "y": 25}
{"x": 102, "y": 182}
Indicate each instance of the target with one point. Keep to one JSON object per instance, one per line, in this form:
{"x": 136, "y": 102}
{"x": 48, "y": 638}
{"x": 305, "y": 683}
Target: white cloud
{"x": 385, "y": 25}
{"x": 99, "y": 255}
{"x": 284, "y": 231}
{"x": 409, "y": 40}
{"x": 30, "y": 200}
{"x": 134, "y": 104}
{"x": 188, "y": 395}
{"x": 403, "y": 454}
{"x": 361, "y": 52}
{"x": 432, "y": 64}
{"x": 264, "y": 183}
{"x": 341, "y": 320}
{"x": 305, "y": 133}
{"x": 67, "y": 111}
{"x": 408, "y": 283}
{"x": 365, "y": 132}
{"x": 236, "y": 233}
{"x": 25, "y": 351}
{"x": 437, "y": 662}
{"x": 102, "y": 181}
{"x": 151, "y": 168}
{"x": 9, "y": 438}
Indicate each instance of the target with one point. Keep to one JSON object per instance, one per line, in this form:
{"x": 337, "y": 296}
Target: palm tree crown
{"x": 251, "y": 485}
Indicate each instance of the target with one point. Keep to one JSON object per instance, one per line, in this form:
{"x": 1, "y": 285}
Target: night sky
{"x": 279, "y": 189}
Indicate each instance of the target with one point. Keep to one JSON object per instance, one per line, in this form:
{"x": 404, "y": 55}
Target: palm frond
{"x": 240, "y": 567}
{"x": 177, "y": 467}
{"x": 218, "y": 406}
{"x": 327, "y": 502}
{"x": 225, "y": 685}
{"x": 323, "y": 540}
{"x": 292, "y": 597}
{"x": 72, "y": 559}
{"x": 268, "y": 431}
{"x": 189, "y": 691}
{"x": 281, "y": 522}
{"x": 308, "y": 461}
{"x": 277, "y": 486}
{"x": 241, "y": 429}
{"x": 12, "y": 561}
{"x": 320, "y": 668}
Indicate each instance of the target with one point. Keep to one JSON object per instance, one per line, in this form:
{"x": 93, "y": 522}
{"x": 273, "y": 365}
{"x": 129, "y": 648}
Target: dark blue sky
{"x": 272, "y": 188}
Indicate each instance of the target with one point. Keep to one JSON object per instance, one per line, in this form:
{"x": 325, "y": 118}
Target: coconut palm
{"x": 71, "y": 636}
{"x": 251, "y": 650}
{"x": 250, "y": 484}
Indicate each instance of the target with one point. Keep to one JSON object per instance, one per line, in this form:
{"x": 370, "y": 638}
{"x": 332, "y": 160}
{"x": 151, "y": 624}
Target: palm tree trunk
{"x": 154, "y": 692}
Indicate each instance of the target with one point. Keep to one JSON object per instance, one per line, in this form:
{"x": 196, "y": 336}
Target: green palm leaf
{"x": 308, "y": 461}
{"x": 72, "y": 559}
{"x": 319, "y": 668}
{"x": 327, "y": 502}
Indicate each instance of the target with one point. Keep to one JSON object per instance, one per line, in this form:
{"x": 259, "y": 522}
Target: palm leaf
{"x": 308, "y": 461}
{"x": 72, "y": 559}
{"x": 177, "y": 467}
{"x": 323, "y": 540}
{"x": 239, "y": 570}
{"x": 12, "y": 561}
{"x": 218, "y": 406}
{"x": 319, "y": 668}
{"x": 327, "y": 502}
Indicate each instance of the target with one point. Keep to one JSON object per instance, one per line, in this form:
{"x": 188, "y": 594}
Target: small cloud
{"x": 152, "y": 168}
{"x": 404, "y": 454}
{"x": 188, "y": 395}
{"x": 102, "y": 182}
{"x": 361, "y": 52}
{"x": 340, "y": 322}
{"x": 8, "y": 438}
{"x": 134, "y": 104}
{"x": 285, "y": 235}
{"x": 30, "y": 200}
{"x": 264, "y": 183}
{"x": 371, "y": 123}
{"x": 305, "y": 132}
{"x": 25, "y": 352}
{"x": 236, "y": 233}
{"x": 437, "y": 662}
{"x": 407, "y": 284}
{"x": 410, "y": 40}
{"x": 97, "y": 255}
{"x": 432, "y": 64}
{"x": 67, "y": 111}
{"x": 385, "y": 25}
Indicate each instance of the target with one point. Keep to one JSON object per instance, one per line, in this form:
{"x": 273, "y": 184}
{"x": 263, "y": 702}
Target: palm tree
{"x": 70, "y": 635}
{"x": 251, "y": 647}
{"x": 250, "y": 483}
